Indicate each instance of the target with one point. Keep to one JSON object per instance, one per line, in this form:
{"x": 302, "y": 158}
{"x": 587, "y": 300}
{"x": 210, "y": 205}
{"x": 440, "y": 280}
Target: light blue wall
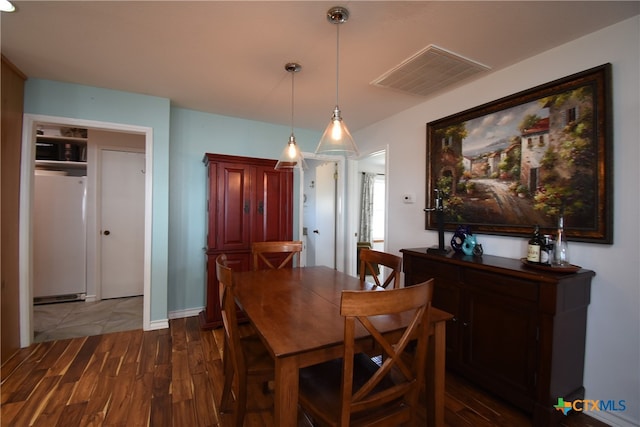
{"x": 181, "y": 137}
{"x": 193, "y": 134}
{"x": 52, "y": 98}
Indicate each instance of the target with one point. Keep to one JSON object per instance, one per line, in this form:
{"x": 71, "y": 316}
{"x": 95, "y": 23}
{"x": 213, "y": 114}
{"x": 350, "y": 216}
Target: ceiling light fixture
{"x": 291, "y": 156}
{"x": 336, "y": 139}
{"x": 6, "y": 6}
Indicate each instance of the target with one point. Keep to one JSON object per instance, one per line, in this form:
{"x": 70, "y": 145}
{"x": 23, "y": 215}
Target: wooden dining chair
{"x": 355, "y": 390}
{"x": 370, "y": 261}
{"x": 244, "y": 358}
{"x": 275, "y": 255}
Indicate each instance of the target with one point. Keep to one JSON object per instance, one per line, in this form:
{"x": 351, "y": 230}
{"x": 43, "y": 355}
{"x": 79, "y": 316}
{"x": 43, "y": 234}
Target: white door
{"x": 324, "y": 232}
{"x": 122, "y": 223}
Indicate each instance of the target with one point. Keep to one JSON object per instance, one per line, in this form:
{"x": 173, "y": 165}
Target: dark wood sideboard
{"x": 517, "y": 331}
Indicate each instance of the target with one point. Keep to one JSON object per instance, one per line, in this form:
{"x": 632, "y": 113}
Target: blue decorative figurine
{"x": 469, "y": 244}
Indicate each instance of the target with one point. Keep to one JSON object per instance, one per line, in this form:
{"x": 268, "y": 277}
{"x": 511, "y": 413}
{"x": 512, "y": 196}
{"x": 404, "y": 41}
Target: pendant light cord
{"x": 337, "y": 61}
{"x": 292, "y": 96}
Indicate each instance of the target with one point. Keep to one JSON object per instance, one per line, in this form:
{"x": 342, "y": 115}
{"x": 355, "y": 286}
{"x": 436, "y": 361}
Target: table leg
{"x": 286, "y": 393}
{"x": 435, "y": 373}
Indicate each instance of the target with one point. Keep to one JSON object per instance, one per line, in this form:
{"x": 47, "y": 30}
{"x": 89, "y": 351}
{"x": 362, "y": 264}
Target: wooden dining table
{"x": 296, "y": 313}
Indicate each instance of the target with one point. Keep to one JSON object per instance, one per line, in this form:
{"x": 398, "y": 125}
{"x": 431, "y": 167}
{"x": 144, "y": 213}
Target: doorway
{"x": 319, "y": 218}
{"x": 322, "y": 216}
{"x": 26, "y": 202}
{"x": 373, "y": 164}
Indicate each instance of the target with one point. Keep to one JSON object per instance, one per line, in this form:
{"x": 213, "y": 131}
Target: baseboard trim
{"x": 190, "y": 312}
{"x": 158, "y": 324}
{"x": 178, "y": 314}
{"x": 615, "y": 420}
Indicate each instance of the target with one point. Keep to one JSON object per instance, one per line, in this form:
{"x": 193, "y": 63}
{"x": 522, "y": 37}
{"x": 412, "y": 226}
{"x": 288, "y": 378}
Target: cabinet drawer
{"x": 422, "y": 270}
{"x": 501, "y": 284}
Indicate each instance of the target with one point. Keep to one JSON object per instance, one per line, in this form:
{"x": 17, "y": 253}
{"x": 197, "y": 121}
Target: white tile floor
{"x": 81, "y": 318}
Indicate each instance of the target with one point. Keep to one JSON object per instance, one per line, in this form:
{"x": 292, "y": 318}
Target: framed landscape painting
{"x": 521, "y": 160}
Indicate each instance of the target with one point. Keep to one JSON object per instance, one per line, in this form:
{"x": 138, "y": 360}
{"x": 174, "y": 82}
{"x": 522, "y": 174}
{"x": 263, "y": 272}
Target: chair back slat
{"x": 244, "y": 357}
{"x": 369, "y": 262}
{"x": 228, "y": 313}
{"x": 362, "y": 307}
{"x": 275, "y": 255}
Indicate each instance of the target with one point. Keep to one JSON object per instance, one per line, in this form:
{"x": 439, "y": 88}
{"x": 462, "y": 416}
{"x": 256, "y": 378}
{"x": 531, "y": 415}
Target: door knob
{"x": 316, "y": 231}
{"x": 106, "y": 232}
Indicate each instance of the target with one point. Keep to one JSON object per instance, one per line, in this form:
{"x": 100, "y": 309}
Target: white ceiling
{"x": 228, "y": 57}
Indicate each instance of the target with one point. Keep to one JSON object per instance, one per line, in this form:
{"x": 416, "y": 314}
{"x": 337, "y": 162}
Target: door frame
{"x": 354, "y": 183}
{"x": 27, "y": 168}
{"x": 342, "y": 264}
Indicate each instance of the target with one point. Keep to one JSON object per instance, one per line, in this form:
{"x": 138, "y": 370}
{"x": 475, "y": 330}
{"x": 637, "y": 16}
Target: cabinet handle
{"x": 246, "y": 206}
{"x": 465, "y": 324}
{"x": 261, "y": 207}
{"x": 454, "y": 319}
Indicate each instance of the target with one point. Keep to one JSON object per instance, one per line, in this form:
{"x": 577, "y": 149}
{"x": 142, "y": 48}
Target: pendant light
{"x": 6, "y": 6}
{"x": 337, "y": 138}
{"x": 291, "y": 156}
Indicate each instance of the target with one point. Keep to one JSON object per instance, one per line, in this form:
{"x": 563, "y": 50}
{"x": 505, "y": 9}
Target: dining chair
{"x": 244, "y": 358}
{"x": 370, "y": 260}
{"x": 355, "y": 390}
{"x": 275, "y": 255}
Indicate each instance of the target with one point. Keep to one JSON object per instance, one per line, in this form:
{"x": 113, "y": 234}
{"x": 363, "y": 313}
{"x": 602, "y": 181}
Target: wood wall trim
{"x": 13, "y": 67}
{"x": 10, "y": 158}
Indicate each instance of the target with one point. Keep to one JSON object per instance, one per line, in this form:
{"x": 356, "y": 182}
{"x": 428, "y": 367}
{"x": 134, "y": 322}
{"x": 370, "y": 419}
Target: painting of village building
{"x": 521, "y": 165}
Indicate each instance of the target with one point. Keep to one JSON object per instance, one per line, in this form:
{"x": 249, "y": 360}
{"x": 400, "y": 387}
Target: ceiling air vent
{"x": 428, "y": 71}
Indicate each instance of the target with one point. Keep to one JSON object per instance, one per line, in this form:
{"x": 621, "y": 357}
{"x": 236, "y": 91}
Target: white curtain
{"x": 366, "y": 207}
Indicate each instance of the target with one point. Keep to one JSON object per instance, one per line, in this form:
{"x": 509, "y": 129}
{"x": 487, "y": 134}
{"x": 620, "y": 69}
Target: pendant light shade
{"x": 291, "y": 156}
{"x": 337, "y": 139}
{"x": 6, "y": 6}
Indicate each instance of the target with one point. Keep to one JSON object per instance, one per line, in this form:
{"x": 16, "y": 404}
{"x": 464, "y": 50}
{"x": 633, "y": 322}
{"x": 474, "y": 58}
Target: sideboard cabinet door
{"x": 500, "y": 346}
{"x": 446, "y": 295}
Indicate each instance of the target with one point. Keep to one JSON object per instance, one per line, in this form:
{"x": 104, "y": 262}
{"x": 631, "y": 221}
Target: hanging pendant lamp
{"x": 291, "y": 156}
{"x": 6, "y": 6}
{"x": 337, "y": 138}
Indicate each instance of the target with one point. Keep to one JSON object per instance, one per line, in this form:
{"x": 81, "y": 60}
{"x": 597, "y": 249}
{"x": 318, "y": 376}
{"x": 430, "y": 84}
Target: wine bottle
{"x": 561, "y": 249}
{"x": 546, "y": 251}
{"x": 535, "y": 246}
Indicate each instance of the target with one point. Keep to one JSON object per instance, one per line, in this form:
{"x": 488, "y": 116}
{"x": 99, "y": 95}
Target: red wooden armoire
{"x": 247, "y": 201}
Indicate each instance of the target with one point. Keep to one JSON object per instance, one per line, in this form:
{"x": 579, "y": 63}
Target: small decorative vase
{"x": 469, "y": 244}
{"x": 459, "y": 236}
{"x": 477, "y": 250}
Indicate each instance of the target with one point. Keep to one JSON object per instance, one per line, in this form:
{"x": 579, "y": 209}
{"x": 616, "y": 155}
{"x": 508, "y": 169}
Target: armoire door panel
{"x": 234, "y": 207}
{"x": 273, "y": 220}
{"x": 211, "y": 204}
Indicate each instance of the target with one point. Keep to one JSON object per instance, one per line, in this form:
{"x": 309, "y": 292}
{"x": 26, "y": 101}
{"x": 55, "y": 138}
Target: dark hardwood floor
{"x": 171, "y": 377}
